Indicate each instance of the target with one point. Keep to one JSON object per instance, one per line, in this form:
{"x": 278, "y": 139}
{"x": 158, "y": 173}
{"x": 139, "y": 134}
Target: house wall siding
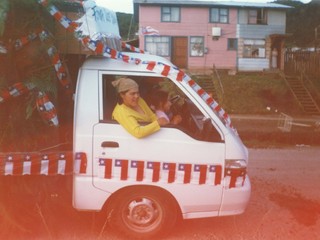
{"x": 276, "y": 25}
{"x": 258, "y": 31}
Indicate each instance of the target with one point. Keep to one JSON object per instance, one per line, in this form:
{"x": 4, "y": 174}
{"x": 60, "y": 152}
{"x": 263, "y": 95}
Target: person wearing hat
{"x": 132, "y": 110}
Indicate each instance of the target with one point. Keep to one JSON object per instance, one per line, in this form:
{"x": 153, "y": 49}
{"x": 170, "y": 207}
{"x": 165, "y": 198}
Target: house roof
{"x": 212, "y": 3}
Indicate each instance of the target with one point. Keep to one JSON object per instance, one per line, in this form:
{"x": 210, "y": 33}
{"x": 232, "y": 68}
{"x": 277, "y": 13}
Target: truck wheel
{"x": 143, "y": 213}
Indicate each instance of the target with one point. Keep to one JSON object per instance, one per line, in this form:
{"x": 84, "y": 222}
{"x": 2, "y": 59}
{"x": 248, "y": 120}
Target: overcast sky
{"x": 127, "y": 6}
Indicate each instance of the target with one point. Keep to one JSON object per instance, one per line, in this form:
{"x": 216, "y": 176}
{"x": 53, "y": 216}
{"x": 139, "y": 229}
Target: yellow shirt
{"x": 131, "y": 119}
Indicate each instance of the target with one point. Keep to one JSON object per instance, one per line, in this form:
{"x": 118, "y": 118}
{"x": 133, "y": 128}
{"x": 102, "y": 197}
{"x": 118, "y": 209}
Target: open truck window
{"x": 194, "y": 123}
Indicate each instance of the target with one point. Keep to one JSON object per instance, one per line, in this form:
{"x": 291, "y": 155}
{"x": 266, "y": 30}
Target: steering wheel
{"x": 185, "y": 112}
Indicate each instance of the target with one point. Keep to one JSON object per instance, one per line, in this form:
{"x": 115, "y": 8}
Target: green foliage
{"x": 127, "y": 26}
{"x": 302, "y": 20}
{"x": 4, "y": 7}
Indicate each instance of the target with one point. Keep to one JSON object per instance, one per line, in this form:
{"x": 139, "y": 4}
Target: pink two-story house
{"x": 198, "y": 35}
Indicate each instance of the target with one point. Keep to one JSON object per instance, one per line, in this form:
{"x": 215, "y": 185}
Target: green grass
{"x": 255, "y": 93}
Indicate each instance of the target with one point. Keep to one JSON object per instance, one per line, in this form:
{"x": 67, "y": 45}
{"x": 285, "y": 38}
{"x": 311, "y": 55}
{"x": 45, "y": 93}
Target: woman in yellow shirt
{"x": 132, "y": 110}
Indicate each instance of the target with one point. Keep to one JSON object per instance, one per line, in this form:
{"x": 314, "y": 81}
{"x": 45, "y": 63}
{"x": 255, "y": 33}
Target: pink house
{"x": 198, "y": 35}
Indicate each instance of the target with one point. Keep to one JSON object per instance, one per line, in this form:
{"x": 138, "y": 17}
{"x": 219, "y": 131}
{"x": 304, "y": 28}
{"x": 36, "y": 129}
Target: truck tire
{"x": 143, "y": 212}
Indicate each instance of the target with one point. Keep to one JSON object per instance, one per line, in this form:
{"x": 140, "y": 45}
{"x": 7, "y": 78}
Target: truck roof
{"x": 108, "y": 64}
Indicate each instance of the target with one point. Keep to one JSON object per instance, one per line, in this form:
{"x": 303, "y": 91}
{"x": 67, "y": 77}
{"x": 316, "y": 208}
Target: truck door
{"x": 173, "y": 158}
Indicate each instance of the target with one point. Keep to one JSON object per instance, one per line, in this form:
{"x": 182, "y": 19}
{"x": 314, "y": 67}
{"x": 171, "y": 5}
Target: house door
{"x": 180, "y": 51}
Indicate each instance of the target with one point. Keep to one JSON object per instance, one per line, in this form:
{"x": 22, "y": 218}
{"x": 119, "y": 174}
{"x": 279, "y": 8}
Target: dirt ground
{"x": 285, "y": 200}
{"x": 285, "y": 204}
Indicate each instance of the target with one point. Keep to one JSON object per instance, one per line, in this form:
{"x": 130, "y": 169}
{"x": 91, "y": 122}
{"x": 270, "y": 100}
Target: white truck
{"x": 195, "y": 169}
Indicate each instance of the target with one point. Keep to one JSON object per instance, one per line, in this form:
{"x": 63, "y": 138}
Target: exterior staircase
{"x": 206, "y": 82}
{"x": 302, "y": 95}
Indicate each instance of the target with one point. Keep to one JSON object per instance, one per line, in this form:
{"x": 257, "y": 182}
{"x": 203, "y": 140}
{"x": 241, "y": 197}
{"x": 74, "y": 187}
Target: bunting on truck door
{"x": 149, "y": 171}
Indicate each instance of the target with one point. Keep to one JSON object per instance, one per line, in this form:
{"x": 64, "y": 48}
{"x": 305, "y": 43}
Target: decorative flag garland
{"x": 3, "y": 49}
{"x": 35, "y": 163}
{"x": 181, "y": 173}
{"x": 124, "y": 45}
{"x": 156, "y": 171}
{"x": 60, "y": 163}
{"x": 46, "y": 109}
{"x": 19, "y": 43}
{"x": 15, "y": 90}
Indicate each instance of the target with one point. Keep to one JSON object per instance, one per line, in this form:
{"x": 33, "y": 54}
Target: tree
{"x": 25, "y": 63}
{"x": 302, "y": 19}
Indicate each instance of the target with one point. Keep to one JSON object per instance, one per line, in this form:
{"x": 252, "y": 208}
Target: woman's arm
{"x": 131, "y": 124}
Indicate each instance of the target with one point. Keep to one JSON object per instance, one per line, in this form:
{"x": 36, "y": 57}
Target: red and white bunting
{"x": 51, "y": 163}
{"x": 46, "y": 109}
{"x": 125, "y": 45}
{"x": 150, "y": 171}
{"x": 59, "y": 67}
{"x": 236, "y": 177}
{"x": 15, "y": 90}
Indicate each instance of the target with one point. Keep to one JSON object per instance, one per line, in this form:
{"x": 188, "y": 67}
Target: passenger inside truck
{"x": 193, "y": 122}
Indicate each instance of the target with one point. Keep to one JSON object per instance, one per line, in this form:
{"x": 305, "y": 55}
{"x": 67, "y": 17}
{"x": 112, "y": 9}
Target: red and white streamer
{"x": 35, "y": 163}
{"x": 46, "y": 109}
{"x": 150, "y": 171}
{"x": 15, "y": 90}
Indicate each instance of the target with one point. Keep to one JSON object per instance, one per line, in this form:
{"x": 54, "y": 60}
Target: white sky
{"x": 126, "y": 6}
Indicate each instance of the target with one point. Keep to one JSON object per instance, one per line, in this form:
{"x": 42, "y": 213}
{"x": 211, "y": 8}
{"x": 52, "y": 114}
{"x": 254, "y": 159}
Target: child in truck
{"x": 131, "y": 110}
{"x": 161, "y": 104}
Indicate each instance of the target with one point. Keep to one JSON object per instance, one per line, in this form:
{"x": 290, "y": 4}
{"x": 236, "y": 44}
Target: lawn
{"x": 255, "y": 93}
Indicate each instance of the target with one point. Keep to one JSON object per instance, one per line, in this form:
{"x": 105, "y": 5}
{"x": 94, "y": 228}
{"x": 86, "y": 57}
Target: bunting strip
{"x": 124, "y": 45}
{"x": 153, "y": 171}
{"x": 3, "y": 49}
{"x": 234, "y": 174}
{"x": 19, "y": 43}
{"x": 15, "y": 90}
{"x": 59, "y": 67}
{"x": 35, "y": 163}
{"x": 46, "y": 109}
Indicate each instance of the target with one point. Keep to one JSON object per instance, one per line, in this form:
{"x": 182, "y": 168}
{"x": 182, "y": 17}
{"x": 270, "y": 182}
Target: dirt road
{"x": 285, "y": 204}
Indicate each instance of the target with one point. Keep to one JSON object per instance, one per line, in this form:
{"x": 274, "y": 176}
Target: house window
{"x": 196, "y": 46}
{"x": 219, "y": 15}
{"x": 158, "y": 45}
{"x": 257, "y": 16}
{"x": 254, "y": 48}
{"x": 232, "y": 44}
{"x": 170, "y": 14}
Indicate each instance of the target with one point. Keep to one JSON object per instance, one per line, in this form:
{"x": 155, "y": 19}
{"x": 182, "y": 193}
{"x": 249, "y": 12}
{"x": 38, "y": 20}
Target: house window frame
{"x": 257, "y": 16}
{"x": 254, "y": 48}
{"x": 158, "y": 48}
{"x": 169, "y": 14}
{"x": 232, "y": 44}
{"x": 220, "y": 15}
{"x": 196, "y": 47}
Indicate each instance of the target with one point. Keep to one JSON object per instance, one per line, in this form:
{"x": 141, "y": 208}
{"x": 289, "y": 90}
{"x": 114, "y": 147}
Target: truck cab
{"x": 195, "y": 169}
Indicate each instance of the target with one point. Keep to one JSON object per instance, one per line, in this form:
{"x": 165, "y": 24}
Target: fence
{"x": 304, "y": 61}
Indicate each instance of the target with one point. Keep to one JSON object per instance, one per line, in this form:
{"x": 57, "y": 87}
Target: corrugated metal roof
{"x": 213, "y": 3}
